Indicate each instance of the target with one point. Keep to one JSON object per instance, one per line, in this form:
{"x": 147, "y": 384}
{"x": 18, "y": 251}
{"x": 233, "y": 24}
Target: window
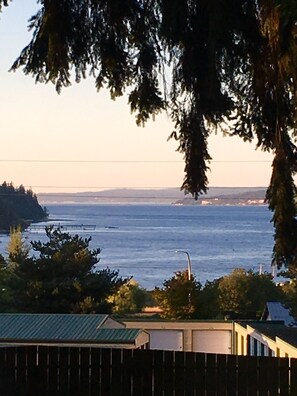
{"x": 255, "y": 345}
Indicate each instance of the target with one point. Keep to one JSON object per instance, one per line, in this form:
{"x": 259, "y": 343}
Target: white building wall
{"x": 212, "y": 341}
{"x": 211, "y": 337}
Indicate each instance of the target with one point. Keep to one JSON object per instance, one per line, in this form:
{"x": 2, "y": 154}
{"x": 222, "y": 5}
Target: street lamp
{"x": 189, "y": 262}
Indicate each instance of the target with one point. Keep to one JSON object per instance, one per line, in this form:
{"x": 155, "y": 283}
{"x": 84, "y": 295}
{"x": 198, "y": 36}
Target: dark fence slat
{"x": 283, "y": 376}
{"x": 11, "y": 354}
{"x": 116, "y": 372}
{"x": 137, "y": 382}
{"x": 74, "y": 372}
{"x": 43, "y": 369}
{"x": 179, "y": 373}
{"x": 211, "y": 374}
{"x": 127, "y": 372}
{"x": 191, "y": 374}
{"x": 272, "y": 376}
{"x": 242, "y": 379}
{"x": 231, "y": 376}
{"x": 21, "y": 371}
{"x": 4, "y": 377}
{"x": 105, "y": 384}
{"x": 158, "y": 380}
{"x": 53, "y": 359}
{"x": 201, "y": 373}
{"x": 293, "y": 377}
{"x": 168, "y": 372}
{"x": 147, "y": 373}
{"x": 263, "y": 384}
{"x": 252, "y": 375}
{"x": 95, "y": 371}
{"x": 85, "y": 372}
{"x": 34, "y": 385}
{"x": 64, "y": 363}
{"x": 221, "y": 374}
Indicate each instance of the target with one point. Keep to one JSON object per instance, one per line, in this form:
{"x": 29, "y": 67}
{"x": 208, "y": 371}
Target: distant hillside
{"x": 18, "y": 207}
{"x": 158, "y": 196}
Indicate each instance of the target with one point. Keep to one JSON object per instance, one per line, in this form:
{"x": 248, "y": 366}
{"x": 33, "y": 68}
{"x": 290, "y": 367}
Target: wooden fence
{"x": 41, "y": 371}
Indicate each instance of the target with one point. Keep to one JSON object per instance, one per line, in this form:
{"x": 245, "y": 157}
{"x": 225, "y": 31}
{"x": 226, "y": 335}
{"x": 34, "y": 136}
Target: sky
{"x": 81, "y": 140}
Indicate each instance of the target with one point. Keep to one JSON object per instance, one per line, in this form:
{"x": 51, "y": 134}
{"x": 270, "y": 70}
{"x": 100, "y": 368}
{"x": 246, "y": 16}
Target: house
{"x": 259, "y": 338}
{"x": 69, "y": 330}
{"x": 189, "y": 335}
{"x": 253, "y": 338}
{"x": 274, "y": 310}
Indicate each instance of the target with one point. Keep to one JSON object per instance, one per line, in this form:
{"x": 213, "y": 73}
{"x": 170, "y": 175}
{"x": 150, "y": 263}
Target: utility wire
{"x": 125, "y": 161}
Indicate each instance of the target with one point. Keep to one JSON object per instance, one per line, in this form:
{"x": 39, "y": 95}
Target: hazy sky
{"x": 81, "y": 140}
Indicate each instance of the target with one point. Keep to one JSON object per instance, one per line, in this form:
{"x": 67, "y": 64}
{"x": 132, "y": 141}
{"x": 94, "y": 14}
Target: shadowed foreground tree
{"x": 209, "y": 307}
{"x": 60, "y": 277}
{"x": 179, "y": 296}
{"x": 208, "y": 63}
{"x": 290, "y": 291}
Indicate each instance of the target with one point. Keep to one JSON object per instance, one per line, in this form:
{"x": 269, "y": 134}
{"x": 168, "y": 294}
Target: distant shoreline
{"x": 171, "y": 196}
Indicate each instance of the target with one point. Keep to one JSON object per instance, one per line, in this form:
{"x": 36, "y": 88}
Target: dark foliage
{"x": 18, "y": 207}
{"x": 61, "y": 278}
{"x": 179, "y": 296}
{"x": 209, "y": 63}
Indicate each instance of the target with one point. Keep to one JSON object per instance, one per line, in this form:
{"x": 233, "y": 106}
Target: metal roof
{"x": 61, "y": 327}
{"x": 274, "y": 310}
{"x": 118, "y": 335}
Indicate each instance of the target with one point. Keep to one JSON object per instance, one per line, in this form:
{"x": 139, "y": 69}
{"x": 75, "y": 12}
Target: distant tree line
{"x": 18, "y": 206}
{"x": 239, "y": 295}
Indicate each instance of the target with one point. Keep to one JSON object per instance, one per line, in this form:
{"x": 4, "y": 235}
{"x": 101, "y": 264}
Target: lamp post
{"x": 189, "y": 262}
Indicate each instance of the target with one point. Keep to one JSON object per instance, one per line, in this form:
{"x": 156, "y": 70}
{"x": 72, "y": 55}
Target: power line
{"x": 124, "y": 161}
{"x": 113, "y": 187}
{"x": 92, "y": 161}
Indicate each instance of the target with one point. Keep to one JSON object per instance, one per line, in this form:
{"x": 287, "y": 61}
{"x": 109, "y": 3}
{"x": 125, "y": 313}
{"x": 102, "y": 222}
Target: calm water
{"x": 141, "y": 240}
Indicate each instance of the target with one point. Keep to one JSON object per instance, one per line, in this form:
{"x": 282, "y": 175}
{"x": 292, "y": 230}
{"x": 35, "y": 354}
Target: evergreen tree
{"x": 208, "y": 63}
{"x": 61, "y": 277}
{"x": 18, "y": 207}
{"x": 17, "y": 247}
{"x": 290, "y": 291}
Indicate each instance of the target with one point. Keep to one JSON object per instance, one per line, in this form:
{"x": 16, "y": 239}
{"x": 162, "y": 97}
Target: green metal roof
{"x": 61, "y": 327}
{"x": 118, "y": 335}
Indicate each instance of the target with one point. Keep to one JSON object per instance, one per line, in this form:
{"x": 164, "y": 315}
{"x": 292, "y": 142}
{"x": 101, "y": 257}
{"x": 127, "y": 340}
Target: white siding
{"x": 166, "y": 340}
{"x": 212, "y": 341}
